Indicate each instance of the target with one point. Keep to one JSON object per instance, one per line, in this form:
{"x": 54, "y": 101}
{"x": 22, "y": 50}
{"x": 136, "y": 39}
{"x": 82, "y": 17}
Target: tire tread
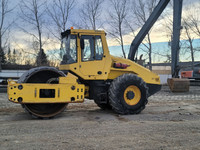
{"x": 114, "y": 90}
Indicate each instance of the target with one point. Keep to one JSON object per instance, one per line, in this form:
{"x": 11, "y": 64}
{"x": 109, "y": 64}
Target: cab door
{"x": 92, "y": 56}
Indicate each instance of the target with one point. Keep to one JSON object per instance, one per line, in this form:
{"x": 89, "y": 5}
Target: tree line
{"x": 42, "y": 21}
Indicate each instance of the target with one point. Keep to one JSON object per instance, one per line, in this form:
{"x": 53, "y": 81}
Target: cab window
{"x": 93, "y": 49}
{"x": 69, "y": 47}
{"x": 98, "y": 48}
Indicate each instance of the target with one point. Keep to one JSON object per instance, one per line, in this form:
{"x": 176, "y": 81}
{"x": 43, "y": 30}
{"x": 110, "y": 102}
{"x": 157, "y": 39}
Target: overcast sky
{"x": 20, "y": 38}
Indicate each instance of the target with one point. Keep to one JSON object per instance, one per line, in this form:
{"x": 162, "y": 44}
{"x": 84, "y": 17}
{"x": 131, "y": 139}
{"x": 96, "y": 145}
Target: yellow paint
{"x": 144, "y": 73}
{"x": 67, "y": 91}
{"x": 89, "y": 70}
{"x": 137, "y": 95}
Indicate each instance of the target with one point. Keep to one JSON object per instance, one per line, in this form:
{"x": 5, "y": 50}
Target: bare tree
{"x": 4, "y": 27}
{"x": 191, "y": 30}
{"x": 32, "y": 13}
{"x": 117, "y": 21}
{"x": 190, "y": 40}
{"x": 59, "y": 12}
{"x": 90, "y": 14}
{"x": 167, "y": 19}
{"x": 167, "y": 28}
{"x": 192, "y": 13}
{"x": 142, "y": 9}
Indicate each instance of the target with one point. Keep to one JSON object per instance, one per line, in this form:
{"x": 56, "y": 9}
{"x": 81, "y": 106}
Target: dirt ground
{"x": 170, "y": 121}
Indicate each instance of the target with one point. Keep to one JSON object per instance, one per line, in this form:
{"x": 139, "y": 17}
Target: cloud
{"x": 23, "y": 40}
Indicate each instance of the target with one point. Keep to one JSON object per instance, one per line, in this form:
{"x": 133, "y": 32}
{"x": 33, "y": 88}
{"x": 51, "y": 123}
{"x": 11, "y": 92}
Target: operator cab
{"x": 91, "y": 48}
{"x": 85, "y": 53}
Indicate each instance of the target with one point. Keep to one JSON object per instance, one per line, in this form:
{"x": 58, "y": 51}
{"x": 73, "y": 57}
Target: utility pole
{"x": 175, "y": 83}
{"x": 176, "y": 37}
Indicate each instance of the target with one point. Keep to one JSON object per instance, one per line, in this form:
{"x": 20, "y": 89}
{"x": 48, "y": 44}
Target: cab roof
{"x": 78, "y": 31}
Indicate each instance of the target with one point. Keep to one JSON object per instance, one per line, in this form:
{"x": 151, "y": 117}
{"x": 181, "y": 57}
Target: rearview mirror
{"x": 82, "y": 43}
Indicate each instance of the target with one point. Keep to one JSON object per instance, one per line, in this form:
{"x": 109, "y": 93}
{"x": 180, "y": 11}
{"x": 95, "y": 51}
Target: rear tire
{"x": 128, "y": 94}
{"x": 42, "y": 75}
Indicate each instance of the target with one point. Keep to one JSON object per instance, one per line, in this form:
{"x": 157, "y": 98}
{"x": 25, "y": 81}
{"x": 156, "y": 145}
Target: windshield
{"x": 69, "y": 47}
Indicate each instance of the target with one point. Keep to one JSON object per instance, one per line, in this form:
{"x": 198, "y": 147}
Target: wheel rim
{"x": 132, "y": 95}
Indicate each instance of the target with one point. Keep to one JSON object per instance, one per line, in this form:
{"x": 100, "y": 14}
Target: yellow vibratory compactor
{"x": 89, "y": 71}
{"x": 86, "y": 71}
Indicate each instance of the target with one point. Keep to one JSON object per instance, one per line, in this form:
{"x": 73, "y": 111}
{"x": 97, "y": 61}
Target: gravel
{"x": 170, "y": 121}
